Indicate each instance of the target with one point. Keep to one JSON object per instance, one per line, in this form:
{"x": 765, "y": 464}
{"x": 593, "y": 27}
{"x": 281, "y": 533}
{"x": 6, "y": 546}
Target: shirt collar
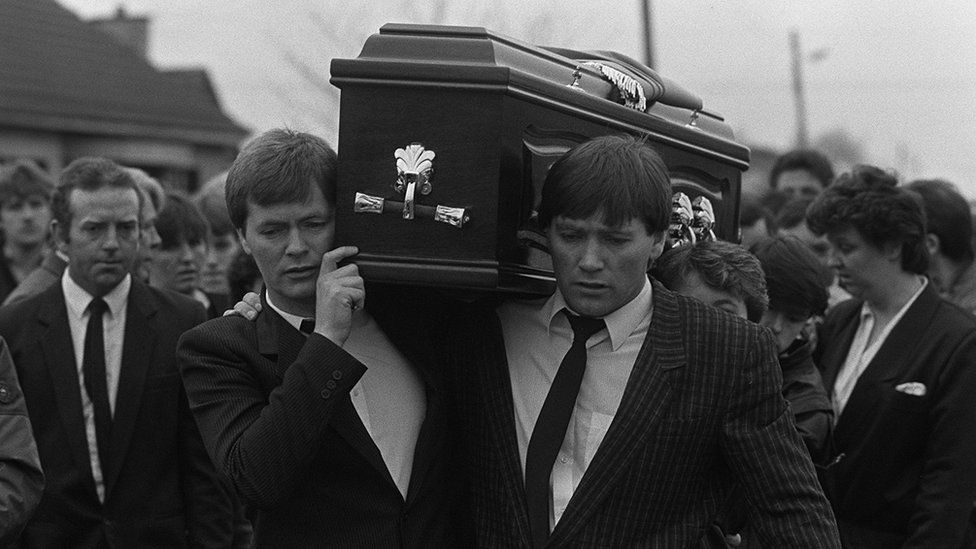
{"x": 620, "y": 323}
{"x": 78, "y": 299}
{"x": 294, "y": 320}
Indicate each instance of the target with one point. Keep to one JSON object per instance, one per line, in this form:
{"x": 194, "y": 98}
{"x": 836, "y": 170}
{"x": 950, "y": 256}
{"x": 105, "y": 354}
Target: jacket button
{"x": 337, "y": 374}
{"x": 326, "y": 393}
{"x": 331, "y": 385}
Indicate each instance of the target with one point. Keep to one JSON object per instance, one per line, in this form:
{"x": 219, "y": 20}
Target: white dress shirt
{"x": 113, "y": 325}
{"x": 537, "y": 338}
{"x": 860, "y": 354}
{"x": 390, "y": 397}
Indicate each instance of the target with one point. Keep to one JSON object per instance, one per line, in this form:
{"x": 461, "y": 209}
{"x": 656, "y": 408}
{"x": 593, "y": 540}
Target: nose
{"x": 111, "y": 241}
{"x": 592, "y": 258}
{"x": 833, "y": 258}
{"x": 296, "y": 244}
{"x": 776, "y": 323}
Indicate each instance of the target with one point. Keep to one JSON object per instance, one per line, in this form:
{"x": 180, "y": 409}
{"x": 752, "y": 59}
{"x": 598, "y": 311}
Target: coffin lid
{"x": 439, "y": 56}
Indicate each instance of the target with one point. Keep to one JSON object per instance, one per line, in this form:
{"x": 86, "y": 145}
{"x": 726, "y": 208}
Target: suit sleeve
{"x": 21, "y": 480}
{"x": 263, "y": 443}
{"x": 947, "y": 486}
{"x": 208, "y": 508}
{"x": 768, "y": 458}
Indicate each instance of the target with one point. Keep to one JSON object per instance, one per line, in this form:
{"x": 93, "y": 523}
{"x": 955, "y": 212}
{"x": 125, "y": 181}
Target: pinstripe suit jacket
{"x": 274, "y": 410}
{"x": 702, "y": 406}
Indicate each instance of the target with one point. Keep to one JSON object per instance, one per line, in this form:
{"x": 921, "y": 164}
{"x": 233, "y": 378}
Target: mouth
{"x": 591, "y": 286}
{"x": 302, "y": 272}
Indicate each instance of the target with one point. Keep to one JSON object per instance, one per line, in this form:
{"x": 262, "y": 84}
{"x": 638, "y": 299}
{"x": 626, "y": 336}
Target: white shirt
{"x": 390, "y": 397}
{"x": 113, "y": 326}
{"x": 860, "y": 354}
{"x": 537, "y": 338}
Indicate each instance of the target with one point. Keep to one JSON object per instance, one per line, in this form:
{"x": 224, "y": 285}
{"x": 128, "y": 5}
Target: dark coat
{"x": 905, "y": 463}
{"x": 703, "y": 405}
{"x": 276, "y": 416}
{"x": 161, "y": 489}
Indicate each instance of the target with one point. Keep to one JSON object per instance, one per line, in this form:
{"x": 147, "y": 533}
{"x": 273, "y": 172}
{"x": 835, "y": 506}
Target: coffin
{"x": 446, "y": 134}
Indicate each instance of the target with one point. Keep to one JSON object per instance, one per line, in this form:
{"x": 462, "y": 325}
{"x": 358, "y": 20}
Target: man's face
{"x": 25, "y": 221}
{"x": 287, "y": 242}
{"x": 178, "y": 268}
{"x": 223, "y": 249}
{"x": 694, "y": 287}
{"x": 786, "y": 327}
{"x": 798, "y": 184}
{"x": 600, "y": 268}
{"x": 102, "y": 243}
{"x": 149, "y": 240}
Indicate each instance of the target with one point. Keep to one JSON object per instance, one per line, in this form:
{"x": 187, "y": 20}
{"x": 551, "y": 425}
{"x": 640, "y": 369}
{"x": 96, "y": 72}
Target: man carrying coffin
{"x": 614, "y": 413}
{"x": 323, "y": 413}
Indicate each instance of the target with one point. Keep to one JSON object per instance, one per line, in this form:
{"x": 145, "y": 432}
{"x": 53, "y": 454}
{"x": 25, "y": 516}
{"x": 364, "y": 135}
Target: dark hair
{"x": 23, "y": 179}
{"x": 793, "y": 213}
{"x": 277, "y": 167}
{"x": 722, "y": 266}
{"x": 618, "y": 176}
{"x": 210, "y": 200}
{"x": 796, "y": 280}
{"x": 88, "y": 174}
{"x": 242, "y": 274}
{"x": 180, "y": 221}
{"x": 948, "y": 217}
{"x": 868, "y": 200}
{"x": 808, "y": 160}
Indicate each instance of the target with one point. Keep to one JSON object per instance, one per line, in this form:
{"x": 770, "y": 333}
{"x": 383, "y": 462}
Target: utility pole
{"x": 648, "y": 35}
{"x": 798, "y": 95}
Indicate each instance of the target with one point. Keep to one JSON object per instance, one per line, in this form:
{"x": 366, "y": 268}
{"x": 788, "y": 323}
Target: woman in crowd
{"x": 898, "y": 363}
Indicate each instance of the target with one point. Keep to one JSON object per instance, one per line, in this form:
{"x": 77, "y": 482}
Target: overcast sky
{"x": 900, "y": 77}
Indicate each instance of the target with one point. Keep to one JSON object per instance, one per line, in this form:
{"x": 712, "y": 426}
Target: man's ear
{"x": 244, "y": 244}
{"x": 892, "y": 251}
{"x": 657, "y": 247}
{"x": 60, "y": 238}
{"x": 933, "y": 244}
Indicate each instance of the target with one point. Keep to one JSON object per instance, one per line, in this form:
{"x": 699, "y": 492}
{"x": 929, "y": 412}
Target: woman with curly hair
{"x": 898, "y": 363}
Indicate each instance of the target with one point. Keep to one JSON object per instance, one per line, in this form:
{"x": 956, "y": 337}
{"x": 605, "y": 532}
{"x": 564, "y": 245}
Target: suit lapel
{"x": 59, "y": 356}
{"x": 138, "y": 348}
{"x": 282, "y": 343}
{"x": 833, "y": 359}
{"x": 894, "y": 355}
{"x": 642, "y": 406}
{"x": 494, "y": 382}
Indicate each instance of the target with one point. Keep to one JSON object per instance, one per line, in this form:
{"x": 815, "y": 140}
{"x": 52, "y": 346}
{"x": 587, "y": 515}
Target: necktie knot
{"x": 307, "y": 326}
{"x": 97, "y": 307}
{"x": 584, "y": 327}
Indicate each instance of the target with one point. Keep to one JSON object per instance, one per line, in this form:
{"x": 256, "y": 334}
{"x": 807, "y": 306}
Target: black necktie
{"x": 93, "y": 367}
{"x": 307, "y": 326}
{"x": 550, "y": 428}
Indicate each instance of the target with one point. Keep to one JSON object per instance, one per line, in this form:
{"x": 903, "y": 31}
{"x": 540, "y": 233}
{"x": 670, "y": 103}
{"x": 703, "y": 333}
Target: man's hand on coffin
{"x": 339, "y": 293}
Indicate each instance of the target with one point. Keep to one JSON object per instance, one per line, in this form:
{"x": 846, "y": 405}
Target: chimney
{"x": 132, "y": 32}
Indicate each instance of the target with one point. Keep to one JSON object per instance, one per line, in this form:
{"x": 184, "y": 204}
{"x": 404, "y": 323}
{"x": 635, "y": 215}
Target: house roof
{"x": 57, "y": 73}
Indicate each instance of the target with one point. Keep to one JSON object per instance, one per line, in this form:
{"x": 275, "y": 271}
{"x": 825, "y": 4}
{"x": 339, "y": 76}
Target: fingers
{"x": 333, "y": 257}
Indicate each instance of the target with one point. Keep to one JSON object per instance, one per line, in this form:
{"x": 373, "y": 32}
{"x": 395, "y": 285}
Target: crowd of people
{"x": 212, "y": 371}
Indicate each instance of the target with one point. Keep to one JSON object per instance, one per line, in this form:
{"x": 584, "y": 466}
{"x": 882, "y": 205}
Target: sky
{"x": 898, "y": 78}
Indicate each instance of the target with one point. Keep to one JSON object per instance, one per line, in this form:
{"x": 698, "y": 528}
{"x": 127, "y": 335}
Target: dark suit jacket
{"x": 909, "y": 462}
{"x": 161, "y": 488}
{"x": 275, "y": 413}
{"x": 39, "y": 279}
{"x": 702, "y": 406}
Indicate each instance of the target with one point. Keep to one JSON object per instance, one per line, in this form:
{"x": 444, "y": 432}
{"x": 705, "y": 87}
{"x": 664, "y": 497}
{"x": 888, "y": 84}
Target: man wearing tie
{"x": 615, "y": 413}
{"x": 124, "y": 461}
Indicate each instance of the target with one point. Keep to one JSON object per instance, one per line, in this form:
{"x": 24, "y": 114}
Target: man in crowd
{"x": 123, "y": 458}
{"x": 801, "y": 173}
{"x": 53, "y": 266}
{"x": 615, "y": 412}
{"x": 949, "y": 227}
{"x": 324, "y": 413}
{"x": 25, "y": 216}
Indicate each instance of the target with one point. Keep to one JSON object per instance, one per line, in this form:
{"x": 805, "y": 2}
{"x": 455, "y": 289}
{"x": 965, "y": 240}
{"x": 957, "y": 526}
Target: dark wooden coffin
{"x": 446, "y": 134}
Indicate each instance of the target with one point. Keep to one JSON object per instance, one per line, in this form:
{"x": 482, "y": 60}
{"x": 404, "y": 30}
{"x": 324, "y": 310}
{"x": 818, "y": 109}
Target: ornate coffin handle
{"x": 415, "y": 170}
